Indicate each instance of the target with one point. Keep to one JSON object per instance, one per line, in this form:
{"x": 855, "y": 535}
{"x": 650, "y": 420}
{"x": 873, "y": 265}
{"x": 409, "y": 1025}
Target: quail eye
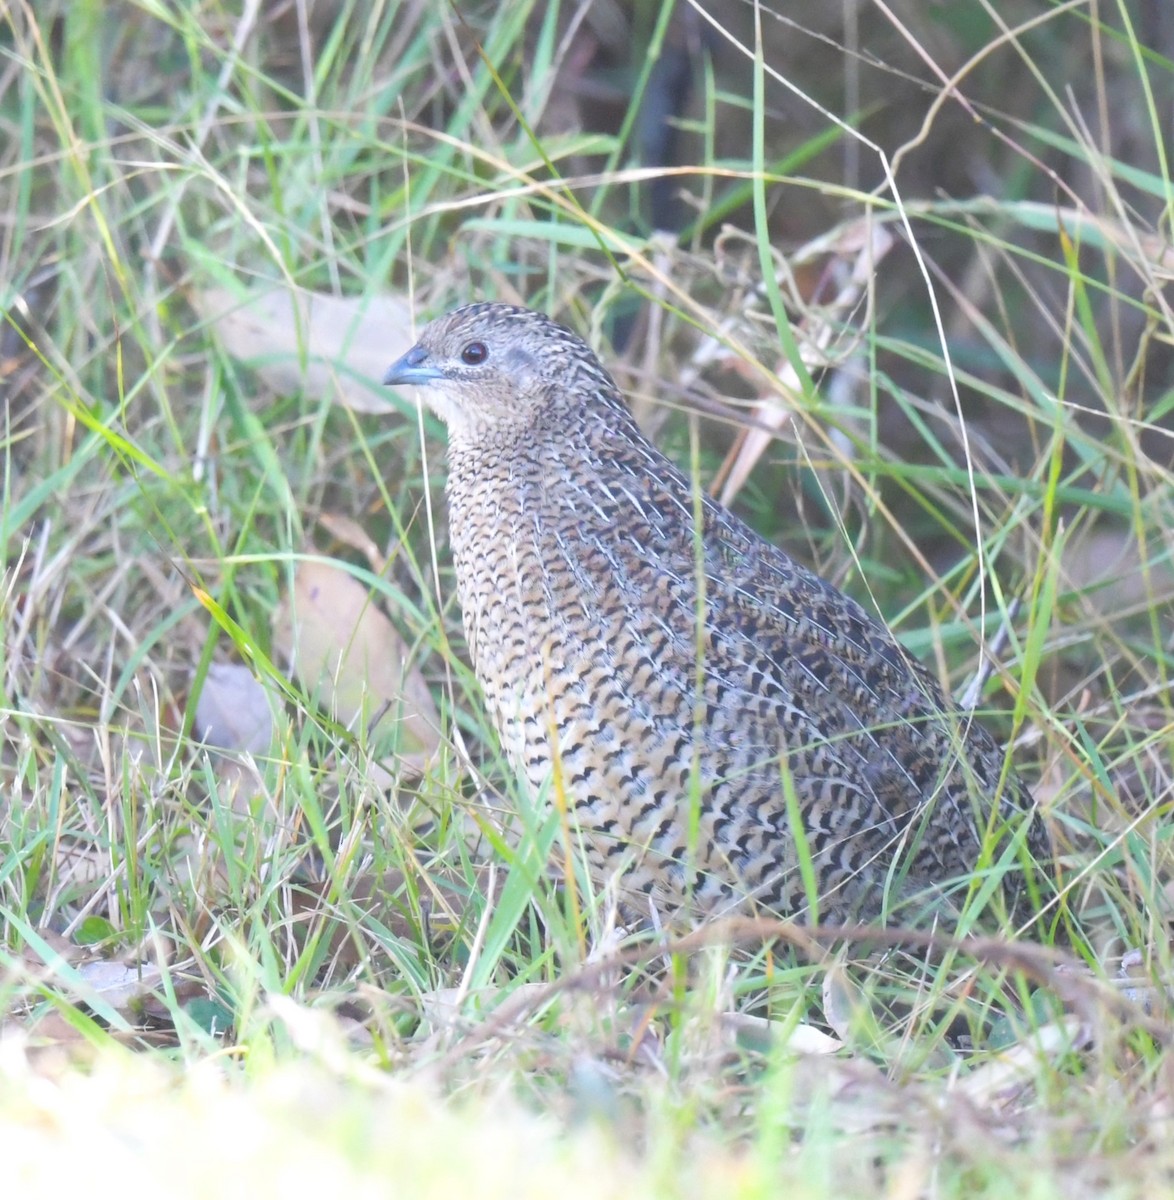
{"x": 474, "y": 353}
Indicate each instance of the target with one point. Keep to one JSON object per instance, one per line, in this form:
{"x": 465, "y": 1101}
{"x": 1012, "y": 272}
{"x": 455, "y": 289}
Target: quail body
{"x": 728, "y": 731}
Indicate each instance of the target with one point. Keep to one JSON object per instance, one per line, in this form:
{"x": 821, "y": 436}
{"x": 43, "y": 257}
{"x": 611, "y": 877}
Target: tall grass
{"x": 976, "y": 443}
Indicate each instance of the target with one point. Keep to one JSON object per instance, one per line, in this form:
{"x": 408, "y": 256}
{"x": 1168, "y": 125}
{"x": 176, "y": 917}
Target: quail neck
{"x": 729, "y": 731}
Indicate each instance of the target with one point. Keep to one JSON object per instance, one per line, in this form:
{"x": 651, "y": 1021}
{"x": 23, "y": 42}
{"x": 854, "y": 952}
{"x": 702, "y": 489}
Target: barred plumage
{"x": 702, "y": 696}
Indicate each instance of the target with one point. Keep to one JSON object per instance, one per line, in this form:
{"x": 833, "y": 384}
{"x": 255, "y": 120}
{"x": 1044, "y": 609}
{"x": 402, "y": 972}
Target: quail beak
{"x": 412, "y": 368}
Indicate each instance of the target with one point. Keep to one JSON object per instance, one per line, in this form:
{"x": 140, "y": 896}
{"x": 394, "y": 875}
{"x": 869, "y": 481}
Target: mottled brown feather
{"x": 689, "y": 754}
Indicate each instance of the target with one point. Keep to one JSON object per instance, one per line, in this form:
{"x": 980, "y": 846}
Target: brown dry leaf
{"x": 56, "y": 944}
{"x": 81, "y": 864}
{"x": 350, "y": 533}
{"x": 53, "y": 1043}
{"x": 378, "y": 897}
{"x": 342, "y": 647}
{"x": 336, "y": 346}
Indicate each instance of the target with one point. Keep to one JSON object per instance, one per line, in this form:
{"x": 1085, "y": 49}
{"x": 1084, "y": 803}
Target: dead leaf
{"x": 119, "y": 985}
{"x": 336, "y": 346}
{"x": 997, "y": 1081}
{"x": 762, "y": 1033}
{"x": 53, "y": 1043}
{"x": 842, "y": 1001}
{"x": 350, "y": 533}
{"x": 1106, "y": 567}
{"x": 51, "y": 945}
{"x": 342, "y": 648}
{"x": 233, "y": 711}
{"x": 862, "y": 244}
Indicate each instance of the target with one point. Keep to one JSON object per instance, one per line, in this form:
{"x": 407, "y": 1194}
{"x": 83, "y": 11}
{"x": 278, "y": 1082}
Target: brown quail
{"x": 728, "y": 730}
